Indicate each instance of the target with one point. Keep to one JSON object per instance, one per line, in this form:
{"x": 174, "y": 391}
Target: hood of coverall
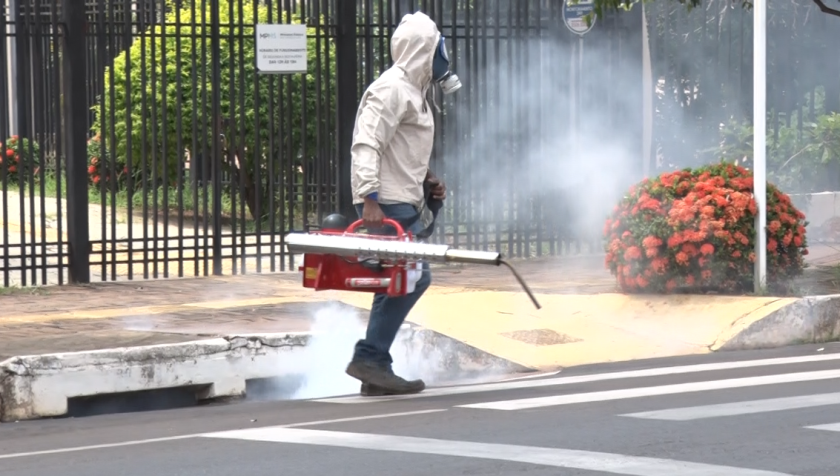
{"x": 413, "y": 47}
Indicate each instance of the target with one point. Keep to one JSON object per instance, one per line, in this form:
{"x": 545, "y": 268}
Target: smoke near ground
{"x": 317, "y": 370}
{"x": 321, "y": 363}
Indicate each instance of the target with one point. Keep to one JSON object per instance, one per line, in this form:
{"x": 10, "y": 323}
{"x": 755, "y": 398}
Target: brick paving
{"x": 117, "y": 314}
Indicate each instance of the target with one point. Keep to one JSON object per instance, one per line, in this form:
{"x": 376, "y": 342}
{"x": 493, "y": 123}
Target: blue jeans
{"x": 387, "y": 314}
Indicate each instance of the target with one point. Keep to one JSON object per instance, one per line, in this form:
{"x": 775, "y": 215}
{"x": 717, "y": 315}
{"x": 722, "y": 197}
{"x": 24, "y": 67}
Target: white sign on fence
{"x": 281, "y": 48}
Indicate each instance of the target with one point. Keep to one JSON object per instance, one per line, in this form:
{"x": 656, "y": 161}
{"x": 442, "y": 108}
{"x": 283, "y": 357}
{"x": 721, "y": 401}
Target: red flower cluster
{"x": 11, "y": 159}
{"x": 99, "y": 171}
{"x": 695, "y": 230}
{"x": 15, "y": 158}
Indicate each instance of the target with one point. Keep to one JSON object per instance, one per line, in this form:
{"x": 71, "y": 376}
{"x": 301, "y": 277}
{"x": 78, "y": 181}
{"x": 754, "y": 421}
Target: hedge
{"x": 694, "y": 230}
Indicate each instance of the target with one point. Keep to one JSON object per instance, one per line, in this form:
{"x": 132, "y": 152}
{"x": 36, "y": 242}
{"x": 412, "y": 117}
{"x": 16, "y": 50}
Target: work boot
{"x": 380, "y": 380}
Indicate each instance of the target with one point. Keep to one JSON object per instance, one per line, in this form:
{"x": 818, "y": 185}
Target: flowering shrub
{"x": 19, "y": 156}
{"x": 99, "y": 165}
{"x": 695, "y": 230}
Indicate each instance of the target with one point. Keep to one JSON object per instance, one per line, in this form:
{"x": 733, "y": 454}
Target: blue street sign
{"x": 573, "y": 16}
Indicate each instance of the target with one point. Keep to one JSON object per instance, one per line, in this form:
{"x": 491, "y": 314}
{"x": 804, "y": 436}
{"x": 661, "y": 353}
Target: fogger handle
{"x": 387, "y": 221}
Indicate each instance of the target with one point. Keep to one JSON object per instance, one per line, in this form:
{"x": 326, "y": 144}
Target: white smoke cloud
{"x": 318, "y": 369}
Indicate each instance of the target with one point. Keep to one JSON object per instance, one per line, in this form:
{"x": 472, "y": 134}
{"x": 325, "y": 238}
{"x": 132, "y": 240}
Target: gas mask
{"x": 448, "y": 80}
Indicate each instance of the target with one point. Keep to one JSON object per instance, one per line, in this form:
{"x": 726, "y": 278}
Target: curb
{"x": 811, "y": 319}
{"x": 40, "y": 386}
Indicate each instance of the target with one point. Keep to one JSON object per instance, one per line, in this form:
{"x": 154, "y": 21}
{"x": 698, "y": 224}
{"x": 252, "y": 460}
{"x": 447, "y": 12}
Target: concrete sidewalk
{"x": 584, "y": 319}
{"x": 213, "y": 334}
{"x": 217, "y": 334}
{"x": 120, "y": 314}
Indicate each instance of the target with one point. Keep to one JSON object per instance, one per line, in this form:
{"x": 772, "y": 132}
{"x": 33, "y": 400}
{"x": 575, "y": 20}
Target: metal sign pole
{"x": 574, "y": 16}
{"x": 579, "y": 97}
{"x": 760, "y": 140}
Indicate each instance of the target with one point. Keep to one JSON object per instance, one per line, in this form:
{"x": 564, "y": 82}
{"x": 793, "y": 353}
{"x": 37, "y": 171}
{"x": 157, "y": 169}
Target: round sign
{"x": 574, "y": 16}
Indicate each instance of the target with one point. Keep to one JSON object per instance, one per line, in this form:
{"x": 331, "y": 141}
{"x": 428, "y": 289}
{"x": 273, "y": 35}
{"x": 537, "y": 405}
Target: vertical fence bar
{"x": 115, "y": 174}
{"x": 59, "y": 138}
{"x": 5, "y": 107}
{"x": 154, "y": 126}
{"x": 200, "y": 132}
{"x": 288, "y": 152}
{"x": 99, "y": 40}
{"x": 215, "y": 41}
{"x": 180, "y": 146}
{"x": 128, "y": 27}
{"x": 25, "y": 149}
{"x": 144, "y": 131}
{"x": 23, "y": 34}
{"x": 22, "y": 40}
{"x": 232, "y": 141}
{"x": 197, "y": 156}
{"x": 259, "y": 153}
{"x": 346, "y": 72}
{"x": 448, "y": 129}
{"x": 238, "y": 129}
{"x": 75, "y": 120}
{"x": 321, "y": 188}
{"x": 165, "y": 150}
{"x": 272, "y": 161}
{"x": 304, "y": 146}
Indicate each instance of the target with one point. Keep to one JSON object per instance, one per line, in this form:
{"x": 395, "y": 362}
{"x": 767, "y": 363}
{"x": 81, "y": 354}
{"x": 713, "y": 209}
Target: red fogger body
{"x": 323, "y": 271}
{"x": 344, "y": 260}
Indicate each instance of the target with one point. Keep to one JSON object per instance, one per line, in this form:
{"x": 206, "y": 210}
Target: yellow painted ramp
{"x": 583, "y": 329}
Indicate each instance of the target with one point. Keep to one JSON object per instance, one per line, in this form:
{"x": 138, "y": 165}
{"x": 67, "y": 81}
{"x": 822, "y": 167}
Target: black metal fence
{"x": 144, "y": 144}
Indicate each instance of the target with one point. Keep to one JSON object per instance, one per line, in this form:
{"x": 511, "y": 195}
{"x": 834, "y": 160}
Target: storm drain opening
{"x": 134, "y": 402}
{"x": 281, "y": 387}
{"x": 268, "y": 389}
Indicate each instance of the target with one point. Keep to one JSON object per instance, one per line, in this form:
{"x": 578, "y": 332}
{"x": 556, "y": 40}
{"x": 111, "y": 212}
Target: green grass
{"x": 29, "y": 290}
{"x": 190, "y": 204}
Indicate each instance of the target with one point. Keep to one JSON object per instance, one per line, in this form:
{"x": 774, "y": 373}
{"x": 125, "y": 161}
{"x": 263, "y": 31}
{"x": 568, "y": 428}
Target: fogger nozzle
{"x": 358, "y": 247}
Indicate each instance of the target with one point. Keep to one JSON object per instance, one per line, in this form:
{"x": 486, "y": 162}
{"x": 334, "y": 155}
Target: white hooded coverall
{"x": 394, "y": 133}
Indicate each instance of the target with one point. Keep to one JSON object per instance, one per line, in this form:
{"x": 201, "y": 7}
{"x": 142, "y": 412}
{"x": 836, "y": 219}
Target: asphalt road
{"x": 732, "y": 414}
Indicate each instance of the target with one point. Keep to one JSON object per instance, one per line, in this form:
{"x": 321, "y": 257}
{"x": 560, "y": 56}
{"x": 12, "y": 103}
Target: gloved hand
{"x": 372, "y": 215}
{"x": 435, "y": 192}
{"x": 437, "y": 188}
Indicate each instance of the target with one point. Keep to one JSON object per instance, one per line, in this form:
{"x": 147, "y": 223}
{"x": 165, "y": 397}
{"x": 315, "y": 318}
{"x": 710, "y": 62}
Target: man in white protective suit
{"x": 392, "y": 145}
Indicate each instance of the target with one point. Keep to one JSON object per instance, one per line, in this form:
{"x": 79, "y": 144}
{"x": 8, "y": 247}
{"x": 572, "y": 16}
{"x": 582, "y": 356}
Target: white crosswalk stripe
{"x": 602, "y": 377}
{"x": 555, "y": 400}
{"x": 578, "y": 459}
{"x": 581, "y": 460}
{"x": 740, "y": 408}
{"x": 829, "y": 427}
{"x": 556, "y": 457}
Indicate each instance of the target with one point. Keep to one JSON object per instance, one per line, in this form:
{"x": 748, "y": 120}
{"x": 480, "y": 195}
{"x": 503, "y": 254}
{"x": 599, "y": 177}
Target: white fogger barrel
{"x": 358, "y": 247}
